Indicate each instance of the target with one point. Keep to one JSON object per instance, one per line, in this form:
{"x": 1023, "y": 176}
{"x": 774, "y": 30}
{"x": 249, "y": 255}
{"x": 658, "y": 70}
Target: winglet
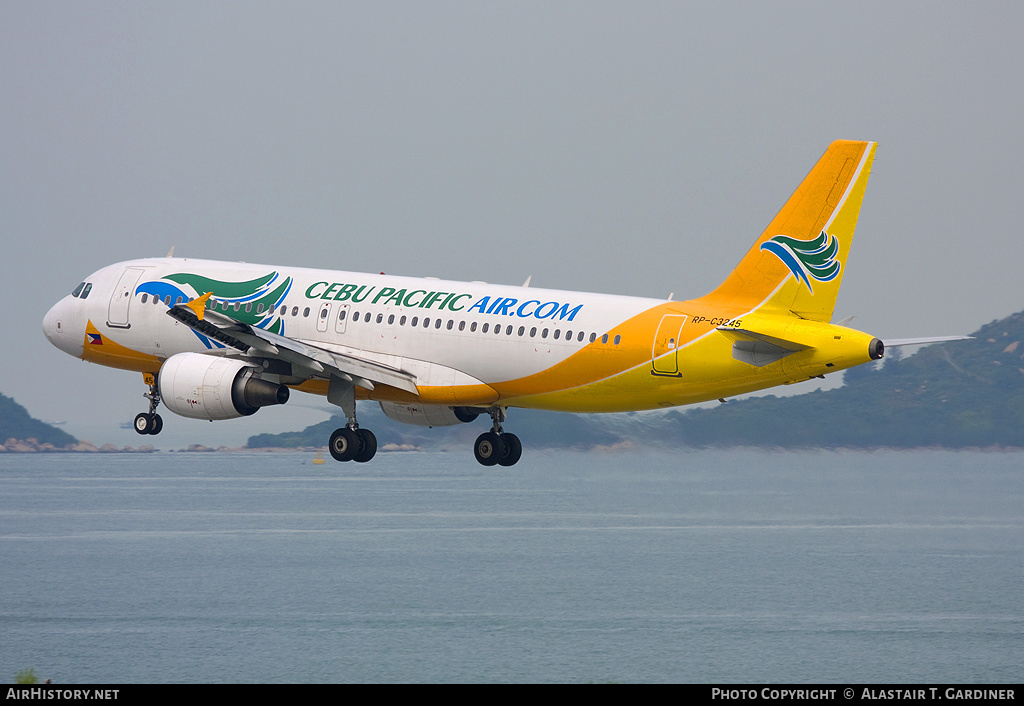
{"x": 198, "y": 305}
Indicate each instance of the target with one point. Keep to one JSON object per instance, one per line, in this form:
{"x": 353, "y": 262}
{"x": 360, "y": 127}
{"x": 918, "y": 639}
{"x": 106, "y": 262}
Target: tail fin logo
{"x": 807, "y": 259}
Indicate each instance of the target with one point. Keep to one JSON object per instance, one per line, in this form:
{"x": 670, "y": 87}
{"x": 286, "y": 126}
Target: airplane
{"x": 220, "y": 340}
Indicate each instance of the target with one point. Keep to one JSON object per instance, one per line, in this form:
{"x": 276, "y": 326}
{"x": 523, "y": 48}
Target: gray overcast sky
{"x": 634, "y": 148}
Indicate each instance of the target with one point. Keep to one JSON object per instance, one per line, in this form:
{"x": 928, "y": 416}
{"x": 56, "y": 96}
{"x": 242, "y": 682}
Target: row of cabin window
{"x": 580, "y": 335}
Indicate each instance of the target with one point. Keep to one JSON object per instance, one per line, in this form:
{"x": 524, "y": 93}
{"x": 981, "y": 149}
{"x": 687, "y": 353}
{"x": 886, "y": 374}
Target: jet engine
{"x": 429, "y": 415}
{"x": 208, "y": 387}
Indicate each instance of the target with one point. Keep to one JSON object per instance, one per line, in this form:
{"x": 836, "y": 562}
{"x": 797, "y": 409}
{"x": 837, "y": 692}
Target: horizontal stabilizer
{"x": 922, "y": 341}
{"x": 759, "y": 349}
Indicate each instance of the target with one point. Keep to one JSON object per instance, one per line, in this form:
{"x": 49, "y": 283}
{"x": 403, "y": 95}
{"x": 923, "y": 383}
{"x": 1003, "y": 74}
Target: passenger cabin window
{"x": 617, "y": 339}
{"x": 145, "y": 297}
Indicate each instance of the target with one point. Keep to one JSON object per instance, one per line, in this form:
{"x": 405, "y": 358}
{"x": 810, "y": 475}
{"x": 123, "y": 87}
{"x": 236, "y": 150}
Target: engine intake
{"x": 206, "y": 387}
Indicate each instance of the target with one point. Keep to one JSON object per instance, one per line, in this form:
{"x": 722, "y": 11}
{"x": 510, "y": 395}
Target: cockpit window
{"x": 85, "y": 292}
{"x": 78, "y": 289}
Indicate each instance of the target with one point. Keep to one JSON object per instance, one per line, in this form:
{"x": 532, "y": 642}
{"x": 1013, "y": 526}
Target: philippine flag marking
{"x": 95, "y": 339}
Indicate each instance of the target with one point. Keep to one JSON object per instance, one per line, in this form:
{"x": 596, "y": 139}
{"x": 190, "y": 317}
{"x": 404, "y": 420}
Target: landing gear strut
{"x": 150, "y": 423}
{"x": 497, "y": 446}
{"x": 350, "y": 443}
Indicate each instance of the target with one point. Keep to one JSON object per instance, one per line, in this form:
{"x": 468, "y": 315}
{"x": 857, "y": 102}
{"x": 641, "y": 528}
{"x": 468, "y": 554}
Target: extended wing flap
{"x": 242, "y": 337}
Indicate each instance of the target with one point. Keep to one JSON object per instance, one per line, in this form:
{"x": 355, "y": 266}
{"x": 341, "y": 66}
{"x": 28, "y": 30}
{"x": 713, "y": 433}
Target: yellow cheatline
{"x": 108, "y": 352}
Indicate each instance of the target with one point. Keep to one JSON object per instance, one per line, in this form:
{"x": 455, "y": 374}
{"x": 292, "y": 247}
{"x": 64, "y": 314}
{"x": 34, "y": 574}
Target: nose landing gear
{"x": 151, "y": 422}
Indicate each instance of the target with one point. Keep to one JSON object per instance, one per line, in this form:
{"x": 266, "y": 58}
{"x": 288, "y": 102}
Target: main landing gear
{"x": 350, "y": 443}
{"x": 497, "y": 446}
{"x": 353, "y": 444}
{"x": 150, "y": 423}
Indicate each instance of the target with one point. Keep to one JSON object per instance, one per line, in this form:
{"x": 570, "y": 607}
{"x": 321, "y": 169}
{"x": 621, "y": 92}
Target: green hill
{"x": 16, "y": 423}
{"x": 954, "y": 395}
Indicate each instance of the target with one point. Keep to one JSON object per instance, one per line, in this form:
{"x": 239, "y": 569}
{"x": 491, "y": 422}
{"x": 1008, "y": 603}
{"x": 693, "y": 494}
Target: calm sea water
{"x": 717, "y": 566}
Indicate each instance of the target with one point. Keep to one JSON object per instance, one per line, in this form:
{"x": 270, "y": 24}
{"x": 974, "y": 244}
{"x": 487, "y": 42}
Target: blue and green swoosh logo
{"x": 807, "y": 259}
{"x": 255, "y": 302}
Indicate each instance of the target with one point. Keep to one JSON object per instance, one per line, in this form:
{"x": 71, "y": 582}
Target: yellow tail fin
{"x": 797, "y": 264}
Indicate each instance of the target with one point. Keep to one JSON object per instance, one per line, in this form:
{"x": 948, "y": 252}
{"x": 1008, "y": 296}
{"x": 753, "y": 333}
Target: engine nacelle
{"x": 208, "y": 387}
{"x": 428, "y": 415}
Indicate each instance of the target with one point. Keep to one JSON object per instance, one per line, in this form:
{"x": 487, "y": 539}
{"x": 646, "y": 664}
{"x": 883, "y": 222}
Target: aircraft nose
{"x": 60, "y": 329}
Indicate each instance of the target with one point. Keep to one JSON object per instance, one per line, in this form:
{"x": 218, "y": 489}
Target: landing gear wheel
{"x": 513, "y": 450}
{"x": 344, "y": 444}
{"x": 368, "y": 444}
{"x": 157, "y": 425}
{"x": 489, "y": 448}
{"x": 144, "y": 423}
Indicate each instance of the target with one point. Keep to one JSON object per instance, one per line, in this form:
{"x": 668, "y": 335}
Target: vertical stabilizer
{"x": 797, "y": 264}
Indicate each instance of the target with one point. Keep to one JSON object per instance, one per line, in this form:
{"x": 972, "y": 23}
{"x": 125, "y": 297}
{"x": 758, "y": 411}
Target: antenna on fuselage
{"x": 527, "y": 282}
{"x": 170, "y": 253}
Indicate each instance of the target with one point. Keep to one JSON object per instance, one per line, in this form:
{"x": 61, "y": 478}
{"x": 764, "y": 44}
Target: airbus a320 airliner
{"x": 219, "y": 340}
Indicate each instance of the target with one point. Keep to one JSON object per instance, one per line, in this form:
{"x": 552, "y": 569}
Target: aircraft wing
{"x": 320, "y": 362}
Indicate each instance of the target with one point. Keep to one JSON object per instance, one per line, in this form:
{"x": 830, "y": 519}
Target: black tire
{"x": 489, "y": 448}
{"x": 344, "y": 444}
{"x": 157, "y": 425}
{"x": 368, "y": 446}
{"x": 143, "y": 423}
{"x": 513, "y": 450}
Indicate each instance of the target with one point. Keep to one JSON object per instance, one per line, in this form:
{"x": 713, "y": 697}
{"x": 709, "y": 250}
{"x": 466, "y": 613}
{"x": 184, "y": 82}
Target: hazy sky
{"x": 634, "y": 148}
